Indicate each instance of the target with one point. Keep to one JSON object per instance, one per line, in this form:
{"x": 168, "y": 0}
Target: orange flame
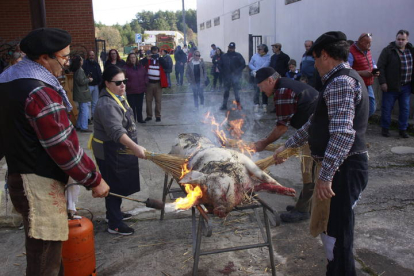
{"x": 184, "y": 170}
{"x": 194, "y": 193}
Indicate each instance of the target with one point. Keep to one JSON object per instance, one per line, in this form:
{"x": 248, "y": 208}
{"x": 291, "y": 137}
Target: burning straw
{"x": 233, "y": 143}
{"x": 264, "y": 163}
{"x": 171, "y": 164}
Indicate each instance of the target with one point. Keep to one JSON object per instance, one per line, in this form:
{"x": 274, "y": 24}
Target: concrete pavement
{"x": 384, "y": 233}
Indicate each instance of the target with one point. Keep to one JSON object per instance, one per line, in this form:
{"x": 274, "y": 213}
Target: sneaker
{"x": 148, "y": 119}
{"x": 90, "y": 122}
{"x": 385, "y": 132}
{"x": 86, "y": 130}
{"x": 122, "y": 230}
{"x": 223, "y": 107}
{"x": 239, "y": 106}
{"x": 294, "y": 216}
{"x": 256, "y": 108}
{"x": 265, "y": 108}
{"x": 158, "y": 119}
{"x": 404, "y": 134}
{"x": 142, "y": 122}
{"x": 290, "y": 208}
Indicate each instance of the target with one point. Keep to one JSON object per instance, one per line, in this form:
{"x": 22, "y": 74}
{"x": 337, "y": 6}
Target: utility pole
{"x": 38, "y": 13}
{"x": 184, "y": 26}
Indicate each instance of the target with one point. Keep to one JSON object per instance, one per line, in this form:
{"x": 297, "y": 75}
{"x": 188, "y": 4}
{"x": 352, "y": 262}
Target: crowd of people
{"x": 327, "y": 99}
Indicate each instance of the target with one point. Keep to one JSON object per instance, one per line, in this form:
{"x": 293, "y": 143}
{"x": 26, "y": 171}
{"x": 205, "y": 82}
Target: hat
{"x": 45, "y": 41}
{"x": 263, "y": 73}
{"x": 232, "y": 45}
{"x": 326, "y": 38}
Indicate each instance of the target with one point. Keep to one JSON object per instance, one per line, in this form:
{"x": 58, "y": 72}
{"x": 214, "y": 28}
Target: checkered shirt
{"x": 406, "y": 66}
{"x": 286, "y": 102}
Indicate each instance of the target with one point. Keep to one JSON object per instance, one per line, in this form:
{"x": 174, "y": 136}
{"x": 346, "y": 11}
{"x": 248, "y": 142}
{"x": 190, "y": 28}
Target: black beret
{"x": 326, "y": 38}
{"x": 45, "y": 41}
{"x": 264, "y": 73}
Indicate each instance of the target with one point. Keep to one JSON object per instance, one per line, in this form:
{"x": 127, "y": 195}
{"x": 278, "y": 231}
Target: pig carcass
{"x": 224, "y": 175}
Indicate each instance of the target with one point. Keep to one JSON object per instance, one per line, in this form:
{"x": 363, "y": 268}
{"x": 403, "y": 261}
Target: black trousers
{"x": 136, "y": 101}
{"x": 217, "y": 76}
{"x": 228, "y": 84}
{"x": 348, "y": 183}
{"x": 179, "y": 74}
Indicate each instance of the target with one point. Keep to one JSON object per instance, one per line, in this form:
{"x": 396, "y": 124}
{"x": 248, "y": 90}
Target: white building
{"x": 291, "y": 22}
{"x": 151, "y": 39}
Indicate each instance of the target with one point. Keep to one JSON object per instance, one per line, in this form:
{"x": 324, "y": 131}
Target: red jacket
{"x": 163, "y": 76}
{"x": 362, "y": 62}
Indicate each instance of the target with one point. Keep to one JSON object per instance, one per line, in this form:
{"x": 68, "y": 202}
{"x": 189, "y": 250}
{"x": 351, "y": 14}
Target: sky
{"x": 110, "y": 12}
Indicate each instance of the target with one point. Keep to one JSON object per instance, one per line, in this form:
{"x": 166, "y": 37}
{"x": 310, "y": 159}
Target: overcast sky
{"x": 110, "y": 12}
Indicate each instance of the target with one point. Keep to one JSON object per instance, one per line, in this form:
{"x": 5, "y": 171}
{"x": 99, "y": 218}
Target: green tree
{"x": 111, "y": 35}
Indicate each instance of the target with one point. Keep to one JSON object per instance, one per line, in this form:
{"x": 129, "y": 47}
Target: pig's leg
{"x": 271, "y": 188}
{"x": 256, "y": 171}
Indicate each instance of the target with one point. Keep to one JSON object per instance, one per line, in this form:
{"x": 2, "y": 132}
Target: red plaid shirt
{"x": 47, "y": 115}
{"x": 286, "y": 102}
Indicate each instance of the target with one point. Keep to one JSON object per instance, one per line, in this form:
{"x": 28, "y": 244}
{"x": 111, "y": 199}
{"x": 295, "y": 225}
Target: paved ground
{"x": 384, "y": 233}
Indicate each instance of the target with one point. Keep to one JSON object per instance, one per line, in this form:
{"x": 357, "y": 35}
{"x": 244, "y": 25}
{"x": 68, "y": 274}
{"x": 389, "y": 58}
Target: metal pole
{"x": 184, "y": 26}
{"x": 38, "y": 13}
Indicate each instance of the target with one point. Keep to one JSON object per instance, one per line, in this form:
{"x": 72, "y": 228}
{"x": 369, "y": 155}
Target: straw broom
{"x": 264, "y": 163}
{"x": 171, "y": 164}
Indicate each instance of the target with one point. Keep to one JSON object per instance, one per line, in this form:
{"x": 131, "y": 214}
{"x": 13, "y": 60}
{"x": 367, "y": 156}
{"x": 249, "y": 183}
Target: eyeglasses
{"x": 65, "y": 57}
{"x": 260, "y": 49}
{"x": 118, "y": 83}
{"x": 197, "y": 55}
{"x": 366, "y": 35}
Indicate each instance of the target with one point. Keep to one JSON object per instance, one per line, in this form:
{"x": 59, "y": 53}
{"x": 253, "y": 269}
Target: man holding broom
{"x": 336, "y": 136}
{"x": 294, "y": 102}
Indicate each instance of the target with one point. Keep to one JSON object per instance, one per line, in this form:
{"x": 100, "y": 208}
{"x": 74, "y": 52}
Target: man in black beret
{"x": 42, "y": 148}
{"x": 233, "y": 66}
{"x": 336, "y": 137}
{"x": 294, "y": 104}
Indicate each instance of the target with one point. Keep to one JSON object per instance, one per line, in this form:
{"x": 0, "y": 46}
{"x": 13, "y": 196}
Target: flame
{"x": 184, "y": 170}
{"x": 194, "y": 193}
{"x": 216, "y": 127}
{"x": 236, "y": 128}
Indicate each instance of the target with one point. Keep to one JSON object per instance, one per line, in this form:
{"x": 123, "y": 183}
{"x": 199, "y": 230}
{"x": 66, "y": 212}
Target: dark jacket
{"x": 137, "y": 79}
{"x": 233, "y": 64}
{"x": 180, "y": 57}
{"x": 390, "y": 67}
{"x": 168, "y": 64}
{"x": 93, "y": 69}
{"x": 280, "y": 63}
{"x": 217, "y": 64}
{"x": 190, "y": 73}
{"x": 81, "y": 92}
{"x": 121, "y": 63}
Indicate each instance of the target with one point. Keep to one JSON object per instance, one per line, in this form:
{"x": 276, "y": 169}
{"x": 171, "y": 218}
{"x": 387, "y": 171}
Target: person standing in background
{"x": 114, "y": 59}
{"x": 196, "y": 75}
{"x": 180, "y": 61}
{"x": 168, "y": 65}
{"x": 259, "y": 60}
{"x": 93, "y": 70}
{"x": 217, "y": 69}
{"x": 279, "y": 60}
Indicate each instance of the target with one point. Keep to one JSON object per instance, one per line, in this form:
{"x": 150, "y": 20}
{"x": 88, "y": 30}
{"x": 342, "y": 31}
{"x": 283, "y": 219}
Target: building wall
{"x": 75, "y": 16}
{"x": 292, "y": 24}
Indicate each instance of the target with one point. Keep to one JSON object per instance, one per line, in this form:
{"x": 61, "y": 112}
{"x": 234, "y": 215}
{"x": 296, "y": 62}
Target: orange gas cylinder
{"x": 78, "y": 252}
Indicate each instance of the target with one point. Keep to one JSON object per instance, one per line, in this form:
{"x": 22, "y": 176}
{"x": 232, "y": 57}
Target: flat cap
{"x": 326, "y": 38}
{"x": 45, "y": 41}
{"x": 232, "y": 45}
{"x": 264, "y": 73}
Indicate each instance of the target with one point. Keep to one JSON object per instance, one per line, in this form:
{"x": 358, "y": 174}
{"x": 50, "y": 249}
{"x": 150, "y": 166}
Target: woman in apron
{"x": 114, "y": 131}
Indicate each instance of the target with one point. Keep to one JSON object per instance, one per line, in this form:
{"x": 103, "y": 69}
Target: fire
{"x": 194, "y": 193}
{"x": 236, "y": 128}
{"x": 184, "y": 170}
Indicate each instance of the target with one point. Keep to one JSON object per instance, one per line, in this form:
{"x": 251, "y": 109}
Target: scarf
{"x": 29, "y": 69}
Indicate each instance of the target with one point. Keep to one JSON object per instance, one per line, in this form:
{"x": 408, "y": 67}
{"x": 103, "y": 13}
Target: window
{"x": 254, "y": 8}
{"x": 235, "y": 15}
{"x": 202, "y": 26}
{"x": 287, "y": 2}
{"x": 217, "y": 21}
{"x": 208, "y": 24}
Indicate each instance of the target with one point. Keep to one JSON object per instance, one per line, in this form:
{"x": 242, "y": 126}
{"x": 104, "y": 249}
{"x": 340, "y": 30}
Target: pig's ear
{"x": 194, "y": 177}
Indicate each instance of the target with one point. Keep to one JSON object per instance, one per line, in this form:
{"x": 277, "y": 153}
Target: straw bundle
{"x": 233, "y": 143}
{"x": 264, "y": 163}
{"x": 171, "y": 164}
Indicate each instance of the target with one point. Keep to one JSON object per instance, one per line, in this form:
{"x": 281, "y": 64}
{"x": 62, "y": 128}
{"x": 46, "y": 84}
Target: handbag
{"x": 207, "y": 81}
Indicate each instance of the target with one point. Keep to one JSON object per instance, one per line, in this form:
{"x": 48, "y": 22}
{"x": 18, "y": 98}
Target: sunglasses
{"x": 197, "y": 55}
{"x": 367, "y": 35}
{"x": 118, "y": 83}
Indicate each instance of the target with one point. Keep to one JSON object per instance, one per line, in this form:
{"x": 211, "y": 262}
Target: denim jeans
{"x": 179, "y": 74}
{"x": 82, "y": 121}
{"x": 388, "y": 101}
{"x": 95, "y": 96}
{"x": 44, "y": 258}
{"x": 197, "y": 93}
{"x": 228, "y": 84}
{"x": 349, "y": 181}
{"x": 168, "y": 79}
{"x": 372, "y": 104}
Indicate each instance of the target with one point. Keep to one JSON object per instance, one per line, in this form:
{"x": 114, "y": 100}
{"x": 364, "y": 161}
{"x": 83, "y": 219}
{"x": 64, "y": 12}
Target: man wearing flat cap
{"x": 42, "y": 148}
{"x": 233, "y": 66}
{"x": 336, "y": 137}
{"x": 294, "y": 104}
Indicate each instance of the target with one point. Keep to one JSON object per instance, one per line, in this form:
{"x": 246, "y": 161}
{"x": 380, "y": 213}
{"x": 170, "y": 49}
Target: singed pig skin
{"x": 223, "y": 174}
